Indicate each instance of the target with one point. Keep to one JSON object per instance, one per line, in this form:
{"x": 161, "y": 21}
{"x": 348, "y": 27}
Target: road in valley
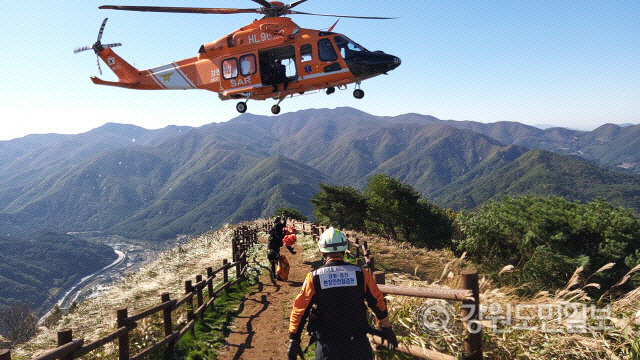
{"x": 72, "y": 294}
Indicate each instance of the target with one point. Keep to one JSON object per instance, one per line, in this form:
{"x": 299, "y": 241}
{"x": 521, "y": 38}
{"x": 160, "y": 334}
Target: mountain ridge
{"x": 172, "y": 172}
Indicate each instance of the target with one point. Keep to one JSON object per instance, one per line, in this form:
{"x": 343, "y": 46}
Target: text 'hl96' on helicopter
{"x": 270, "y": 58}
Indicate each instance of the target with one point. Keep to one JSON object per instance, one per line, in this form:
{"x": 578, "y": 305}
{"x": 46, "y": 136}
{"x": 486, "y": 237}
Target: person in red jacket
{"x": 339, "y": 291}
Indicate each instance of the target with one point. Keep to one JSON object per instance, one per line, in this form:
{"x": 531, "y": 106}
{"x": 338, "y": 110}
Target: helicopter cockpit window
{"x": 326, "y": 51}
{"x": 230, "y": 68}
{"x": 306, "y": 53}
{"x": 247, "y": 65}
{"x": 348, "y": 48}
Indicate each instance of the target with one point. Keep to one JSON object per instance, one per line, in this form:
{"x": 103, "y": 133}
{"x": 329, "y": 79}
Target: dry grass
{"x": 405, "y": 265}
{"x": 437, "y": 266}
{"x": 409, "y": 266}
{"x": 96, "y": 317}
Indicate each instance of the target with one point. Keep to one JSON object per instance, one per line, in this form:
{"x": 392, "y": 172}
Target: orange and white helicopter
{"x": 269, "y": 58}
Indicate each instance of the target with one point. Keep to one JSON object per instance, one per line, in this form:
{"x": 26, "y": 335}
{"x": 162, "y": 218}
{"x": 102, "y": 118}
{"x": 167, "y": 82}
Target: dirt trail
{"x": 261, "y": 331}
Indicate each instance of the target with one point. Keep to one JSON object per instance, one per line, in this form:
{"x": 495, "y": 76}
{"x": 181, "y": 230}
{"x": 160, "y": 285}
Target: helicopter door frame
{"x": 267, "y": 58}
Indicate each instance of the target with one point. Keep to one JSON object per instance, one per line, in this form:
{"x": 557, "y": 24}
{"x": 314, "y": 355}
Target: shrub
{"x": 546, "y": 238}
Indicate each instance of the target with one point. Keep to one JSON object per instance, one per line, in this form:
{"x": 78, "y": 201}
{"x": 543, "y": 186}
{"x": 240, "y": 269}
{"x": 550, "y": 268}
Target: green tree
{"x": 397, "y": 211}
{"x": 290, "y": 213}
{"x": 341, "y": 206}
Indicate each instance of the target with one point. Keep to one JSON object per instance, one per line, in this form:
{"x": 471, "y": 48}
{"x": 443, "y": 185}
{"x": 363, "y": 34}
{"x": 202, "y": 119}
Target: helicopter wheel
{"x": 331, "y": 90}
{"x": 241, "y": 107}
{"x": 358, "y": 93}
{"x": 275, "y": 109}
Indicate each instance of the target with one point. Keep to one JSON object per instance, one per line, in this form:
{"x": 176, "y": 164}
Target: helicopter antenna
{"x": 332, "y": 26}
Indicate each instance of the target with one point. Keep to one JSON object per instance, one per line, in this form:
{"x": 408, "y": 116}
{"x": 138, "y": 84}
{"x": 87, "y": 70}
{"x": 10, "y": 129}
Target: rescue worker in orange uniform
{"x": 339, "y": 290}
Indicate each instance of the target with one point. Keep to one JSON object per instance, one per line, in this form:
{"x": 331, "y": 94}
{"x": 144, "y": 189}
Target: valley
{"x": 179, "y": 180}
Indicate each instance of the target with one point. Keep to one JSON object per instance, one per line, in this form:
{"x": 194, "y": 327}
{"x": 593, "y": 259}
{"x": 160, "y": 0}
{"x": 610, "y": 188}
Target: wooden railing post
{"x": 188, "y": 289}
{"x": 357, "y": 248}
{"x": 166, "y": 315}
{"x": 210, "y": 282}
{"x": 471, "y": 312}
{"x": 5, "y": 355}
{"x": 65, "y": 336}
{"x": 234, "y": 245}
{"x": 225, "y": 273}
{"x": 123, "y": 340}
{"x": 199, "y": 290}
{"x": 378, "y": 276}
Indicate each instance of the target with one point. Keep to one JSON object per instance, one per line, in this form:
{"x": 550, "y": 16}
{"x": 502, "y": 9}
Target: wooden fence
{"x": 468, "y": 294}
{"x": 69, "y": 349}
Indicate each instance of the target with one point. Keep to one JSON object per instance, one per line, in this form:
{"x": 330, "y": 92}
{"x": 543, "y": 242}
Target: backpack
{"x": 289, "y": 240}
{"x": 290, "y": 230}
{"x": 282, "y": 268}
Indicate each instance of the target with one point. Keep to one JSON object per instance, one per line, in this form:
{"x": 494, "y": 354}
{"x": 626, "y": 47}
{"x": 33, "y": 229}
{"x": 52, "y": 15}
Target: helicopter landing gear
{"x": 241, "y": 107}
{"x": 331, "y": 90}
{"x": 358, "y": 93}
{"x": 275, "y": 109}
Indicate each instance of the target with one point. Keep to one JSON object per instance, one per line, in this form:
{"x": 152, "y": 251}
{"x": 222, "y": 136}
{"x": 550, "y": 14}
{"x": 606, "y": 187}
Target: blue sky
{"x": 567, "y": 63}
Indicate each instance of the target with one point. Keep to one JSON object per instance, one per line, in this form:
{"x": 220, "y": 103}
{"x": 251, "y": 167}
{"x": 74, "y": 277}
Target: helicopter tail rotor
{"x": 98, "y": 46}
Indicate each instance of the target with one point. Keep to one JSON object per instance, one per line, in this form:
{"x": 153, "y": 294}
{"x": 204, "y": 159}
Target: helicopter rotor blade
{"x": 111, "y": 45}
{"x": 84, "y": 48}
{"x": 98, "y": 62}
{"x": 264, "y": 3}
{"x": 294, "y": 4}
{"x": 104, "y": 23}
{"x": 341, "y": 16}
{"x": 187, "y": 10}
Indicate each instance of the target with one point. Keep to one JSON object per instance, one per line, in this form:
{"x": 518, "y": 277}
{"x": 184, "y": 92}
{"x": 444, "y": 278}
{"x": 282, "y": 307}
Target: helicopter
{"x": 271, "y": 58}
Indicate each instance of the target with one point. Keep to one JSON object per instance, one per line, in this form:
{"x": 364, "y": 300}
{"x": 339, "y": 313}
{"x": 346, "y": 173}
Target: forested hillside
{"x": 157, "y": 184}
{"x": 610, "y": 146}
{"x": 174, "y": 181}
{"x": 34, "y": 269}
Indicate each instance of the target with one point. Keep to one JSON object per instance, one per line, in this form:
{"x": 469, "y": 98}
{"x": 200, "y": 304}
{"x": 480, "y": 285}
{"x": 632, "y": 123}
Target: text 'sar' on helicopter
{"x": 270, "y": 58}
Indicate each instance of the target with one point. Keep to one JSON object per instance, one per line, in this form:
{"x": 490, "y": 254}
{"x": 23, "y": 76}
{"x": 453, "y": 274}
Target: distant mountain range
{"x": 154, "y": 184}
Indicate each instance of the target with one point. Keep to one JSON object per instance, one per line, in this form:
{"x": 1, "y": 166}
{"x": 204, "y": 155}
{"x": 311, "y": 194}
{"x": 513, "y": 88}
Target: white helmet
{"x": 333, "y": 240}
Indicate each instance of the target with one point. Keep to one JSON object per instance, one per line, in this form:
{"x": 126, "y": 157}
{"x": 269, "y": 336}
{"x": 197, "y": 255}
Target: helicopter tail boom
{"x": 125, "y": 72}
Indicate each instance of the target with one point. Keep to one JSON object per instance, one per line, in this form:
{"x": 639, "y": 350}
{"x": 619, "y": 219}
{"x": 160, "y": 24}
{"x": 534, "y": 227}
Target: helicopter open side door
{"x": 287, "y": 57}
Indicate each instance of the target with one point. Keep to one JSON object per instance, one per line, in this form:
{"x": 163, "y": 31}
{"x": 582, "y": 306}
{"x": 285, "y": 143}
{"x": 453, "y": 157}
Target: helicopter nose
{"x": 373, "y": 64}
{"x": 393, "y": 62}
